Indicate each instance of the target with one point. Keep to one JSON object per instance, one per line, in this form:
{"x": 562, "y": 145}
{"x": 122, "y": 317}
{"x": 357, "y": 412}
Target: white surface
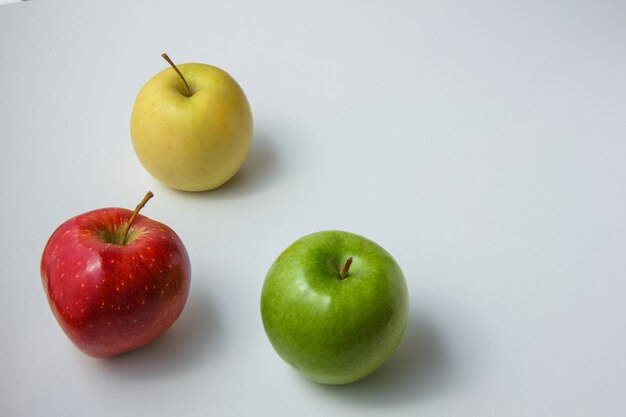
{"x": 482, "y": 143}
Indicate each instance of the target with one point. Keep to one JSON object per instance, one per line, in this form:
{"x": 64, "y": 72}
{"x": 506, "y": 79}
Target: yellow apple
{"x": 191, "y": 126}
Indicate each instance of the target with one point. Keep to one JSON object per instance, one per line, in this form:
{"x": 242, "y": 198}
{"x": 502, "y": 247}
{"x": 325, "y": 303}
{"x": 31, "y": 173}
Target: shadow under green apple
{"x": 419, "y": 369}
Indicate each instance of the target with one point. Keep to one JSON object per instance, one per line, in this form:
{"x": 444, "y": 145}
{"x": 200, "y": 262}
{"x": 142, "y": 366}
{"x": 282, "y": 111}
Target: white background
{"x": 482, "y": 143}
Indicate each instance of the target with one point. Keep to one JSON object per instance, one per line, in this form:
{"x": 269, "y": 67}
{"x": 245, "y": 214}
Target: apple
{"x": 115, "y": 280}
{"x": 191, "y": 126}
{"x": 334, "y": 306}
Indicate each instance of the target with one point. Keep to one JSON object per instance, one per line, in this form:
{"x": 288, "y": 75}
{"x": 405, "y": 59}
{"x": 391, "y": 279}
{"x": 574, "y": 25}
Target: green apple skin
{"x": 333, "y": 330}
{"x": 197, "y": 142}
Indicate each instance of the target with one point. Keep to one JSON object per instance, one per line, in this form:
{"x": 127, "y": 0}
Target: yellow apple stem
{"x": 169, "y": 61}
{"x": 143, "y": 202}
{"x": 345, "y": 270}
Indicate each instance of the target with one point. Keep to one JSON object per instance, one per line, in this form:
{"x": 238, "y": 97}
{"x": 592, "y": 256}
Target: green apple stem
{"x": 169, "y": 61}
{"x": 143, "y": 202}
{"x": 345, "y": 270}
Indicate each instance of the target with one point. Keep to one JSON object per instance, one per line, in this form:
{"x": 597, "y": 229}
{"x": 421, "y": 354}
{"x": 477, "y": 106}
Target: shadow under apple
{"x": 259, "y": 170}
{"x": 185, "y": 346}
{"x": 419, "y": 369}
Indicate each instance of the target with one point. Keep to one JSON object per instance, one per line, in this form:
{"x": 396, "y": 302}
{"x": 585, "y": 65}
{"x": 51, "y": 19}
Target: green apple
{"x": 335, "y": 306}
{"x": 191, "y": 126}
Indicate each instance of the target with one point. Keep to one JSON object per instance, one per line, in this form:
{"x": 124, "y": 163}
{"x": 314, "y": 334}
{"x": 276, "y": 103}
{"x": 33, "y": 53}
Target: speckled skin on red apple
{"x": 111, "y": 298}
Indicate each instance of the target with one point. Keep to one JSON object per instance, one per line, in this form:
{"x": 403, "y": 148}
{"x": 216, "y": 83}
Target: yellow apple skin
{"x": 194, "y": 143}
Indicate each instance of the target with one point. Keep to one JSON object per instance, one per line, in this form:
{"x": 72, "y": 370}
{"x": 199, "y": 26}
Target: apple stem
{"x": 345, "y": 270}
{"x": 169, "y": 61}
{"x": 143, "y": 202}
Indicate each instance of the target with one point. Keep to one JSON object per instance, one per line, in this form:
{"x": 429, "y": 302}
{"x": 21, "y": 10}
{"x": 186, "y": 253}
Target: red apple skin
{"x": 111, "y": 298}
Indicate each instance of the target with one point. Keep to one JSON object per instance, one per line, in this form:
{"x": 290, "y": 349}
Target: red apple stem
{"x": 345, "y": 270}
{"x": 141, "y": 205}
{"x": 169, "y": 61}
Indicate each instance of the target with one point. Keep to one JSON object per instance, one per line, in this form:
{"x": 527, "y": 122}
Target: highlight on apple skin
{"x": 334, "y": 306}
{"x": 115, "y": 280}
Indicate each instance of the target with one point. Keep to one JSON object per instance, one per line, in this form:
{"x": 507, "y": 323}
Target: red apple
{"x": 115, "y": 280}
